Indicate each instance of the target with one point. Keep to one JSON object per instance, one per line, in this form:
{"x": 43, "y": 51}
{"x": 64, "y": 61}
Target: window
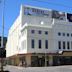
{"x": 63, "y": 34}
{"x": 68, "y": 34}
{"x": 63, "y": 44}
{"x": 71, "y": 44}
{"x": 39, "y": 32}
{"x": 59, "y": 34}
{"x": 71, "y": 34}
{"x": 32, "y": 43}
{"x": 68, "y": 45}
{"x": 32, "y": 31}
{"x": 39, "y": 44}
{"x": 46, "y": 32}
{"x": 59, "y": 44}
{"x": 46, "y": 44}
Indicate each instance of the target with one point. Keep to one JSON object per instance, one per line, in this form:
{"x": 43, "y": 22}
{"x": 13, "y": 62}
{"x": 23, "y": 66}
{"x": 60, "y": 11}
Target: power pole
{"x": 2, "y": 45}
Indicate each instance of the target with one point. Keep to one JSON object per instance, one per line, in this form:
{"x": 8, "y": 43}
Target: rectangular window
{"x": 32, "y": 31}
{"x": 68, "y": 45}
{"x": 46, "y": 32}
{"x": 46, "y": 44}
{"x": 63, "y": 44}
{"x": 63, "y": 34}
{"x": 71, "y": 34}
{"x": 39, "y": 44}
{"x": 67, "y": 34}
{"x": 71, "y": 44}
{"x": 59, "y": 44}
{"x": 59, "y": 34}
{"x": 39, "y": 32}
{"x": 32, "y": 43}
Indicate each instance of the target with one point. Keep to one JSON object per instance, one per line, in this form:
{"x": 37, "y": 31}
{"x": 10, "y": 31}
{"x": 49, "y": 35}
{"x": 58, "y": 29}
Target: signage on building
{"x": 46, "y": 13}
{"x": 58, "y": 15}
{"x": 35, "y": 11}
{"x": 69, "y": 17}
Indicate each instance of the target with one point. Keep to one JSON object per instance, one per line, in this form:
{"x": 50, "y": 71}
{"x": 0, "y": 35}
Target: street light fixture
{"x": 59, "y": 52}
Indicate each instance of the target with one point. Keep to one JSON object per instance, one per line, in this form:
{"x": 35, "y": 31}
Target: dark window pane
{"x": 68, "y": 45}
{"x": 68, "y": 34}
{"x": 63, "y": 34}
{"x": 71, "y": 44}
{"x": 46, "y": 32}
{"x": 32, "y": 31}
{"x": 39, "y": 43}
{"x": 46, "y": 44}
{"x": 39, "y": 32}
{"x": 59, "y": 44}
{"x": 59, "y": 34}
{"x": 63, "y": 44}
{"x": 32, "y": 43}
{"x": 71, "y": 34}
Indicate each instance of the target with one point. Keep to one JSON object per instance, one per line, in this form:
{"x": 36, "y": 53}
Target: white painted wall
{"x": 12, "y": 46}
{"x": 21, "y": 31}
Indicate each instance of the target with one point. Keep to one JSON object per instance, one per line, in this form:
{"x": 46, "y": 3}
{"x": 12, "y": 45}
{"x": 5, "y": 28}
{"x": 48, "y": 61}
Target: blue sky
{"x": 12, "y": 8}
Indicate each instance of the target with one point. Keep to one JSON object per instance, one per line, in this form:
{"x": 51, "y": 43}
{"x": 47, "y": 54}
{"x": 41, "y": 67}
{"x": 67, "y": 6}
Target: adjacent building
{"x": 40, "y": 37}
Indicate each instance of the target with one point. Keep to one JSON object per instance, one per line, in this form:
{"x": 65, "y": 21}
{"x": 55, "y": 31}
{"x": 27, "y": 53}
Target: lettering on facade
{"x": 35, "y": 12}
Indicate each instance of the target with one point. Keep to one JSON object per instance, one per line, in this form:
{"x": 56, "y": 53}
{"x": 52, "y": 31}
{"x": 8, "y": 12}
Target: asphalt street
{"x": 40, "y": 69}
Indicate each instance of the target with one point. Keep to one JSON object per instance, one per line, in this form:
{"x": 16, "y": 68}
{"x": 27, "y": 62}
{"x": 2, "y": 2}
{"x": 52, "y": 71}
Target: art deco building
{"x": 40, "y": 37}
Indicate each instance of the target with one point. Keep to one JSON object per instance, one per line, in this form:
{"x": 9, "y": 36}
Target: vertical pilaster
{"x": 28, "y": 60}
{"x": 50, "y": 60}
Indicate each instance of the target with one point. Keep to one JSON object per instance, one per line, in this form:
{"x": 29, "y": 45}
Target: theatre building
{"x": 40, "y": 37}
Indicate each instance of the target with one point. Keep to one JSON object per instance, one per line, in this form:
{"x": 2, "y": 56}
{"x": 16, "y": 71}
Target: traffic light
{"x": 2, "y": 53}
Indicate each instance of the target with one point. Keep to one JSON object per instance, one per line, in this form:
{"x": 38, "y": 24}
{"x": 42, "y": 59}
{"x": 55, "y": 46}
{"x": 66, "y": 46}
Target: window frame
{"x": 40, "y": 44}
{"x": 59, "y": 44}
{"x": 32, "y": 31}
{"x": 46, "y": 44}
{"x": 32, "y": 43}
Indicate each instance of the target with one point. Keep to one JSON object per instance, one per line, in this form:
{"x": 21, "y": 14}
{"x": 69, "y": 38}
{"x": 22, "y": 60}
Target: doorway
{"x": 37, "y": 61}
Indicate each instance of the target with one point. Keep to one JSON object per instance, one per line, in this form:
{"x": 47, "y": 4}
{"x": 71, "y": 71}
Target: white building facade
{"x": 38, "y": 37}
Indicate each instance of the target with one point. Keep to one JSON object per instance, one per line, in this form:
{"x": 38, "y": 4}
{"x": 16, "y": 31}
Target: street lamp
{"x": 2, "y": 24}
{"x": 2, "y": 33}
{"x": 45, "y": 59}
{"x": 59, "y": 52}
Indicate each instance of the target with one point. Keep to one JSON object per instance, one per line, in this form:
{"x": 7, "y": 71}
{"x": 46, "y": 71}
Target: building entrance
{"x": 37, "y": 61}
{"x": 41, "y": 62}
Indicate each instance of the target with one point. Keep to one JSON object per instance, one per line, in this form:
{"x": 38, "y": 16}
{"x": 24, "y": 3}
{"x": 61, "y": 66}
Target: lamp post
{"x": 59, "y": 52}
{"x": 2, "y": 24}
{"x": 45, "y": 59}
{"x": 2, "y": 32}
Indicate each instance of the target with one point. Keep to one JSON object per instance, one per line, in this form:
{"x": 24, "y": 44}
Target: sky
{"x": 12, "y": 9}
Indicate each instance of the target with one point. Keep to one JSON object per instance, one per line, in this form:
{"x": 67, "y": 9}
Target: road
{"x": 39, "y": 69}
